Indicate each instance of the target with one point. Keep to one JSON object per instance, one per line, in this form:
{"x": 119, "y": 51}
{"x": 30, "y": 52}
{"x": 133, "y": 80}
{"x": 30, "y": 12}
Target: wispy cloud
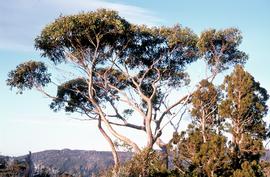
{"x": 21, "y": 21}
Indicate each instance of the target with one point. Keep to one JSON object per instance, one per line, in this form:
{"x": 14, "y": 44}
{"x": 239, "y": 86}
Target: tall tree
{"x": 245, "y": 107}
{"x": 125, "y": 73}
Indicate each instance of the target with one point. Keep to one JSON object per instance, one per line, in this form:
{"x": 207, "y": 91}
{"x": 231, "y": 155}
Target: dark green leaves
{"x": 28, "y": 75}
{"x": 244, "y": 104}
{"x": 169, "y": 49}
{"x": 102, "y": 35}
{"x": 72, "y": 96}
{"x": 245, "y": 97}
{"x": 220, "y": 48}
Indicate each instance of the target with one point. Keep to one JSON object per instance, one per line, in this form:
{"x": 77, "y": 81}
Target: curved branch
{"x": 185, "y": 99}
{"x": 102, "y": 115}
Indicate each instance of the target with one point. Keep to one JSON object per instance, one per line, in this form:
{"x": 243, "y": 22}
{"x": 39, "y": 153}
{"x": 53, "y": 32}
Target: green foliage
{"x": 245, "y": 105}
{"x": 175, "y": 46}
{"x": 192, "y": 157}
{"x": 96, "y": 39}
{"x": 220, "y": 48}
{"x": 145, "y": 164}
{"x": 72, "y": 95}
{"x": 249, "y": 169}
{"x": 204, "y": 100}
{"x": 136, "y": 46}
{"x": 103, "y": 28}
{"x": 28, "y": 75}
{"x": 243, "y": 95}
{"x": 205, "y": 107}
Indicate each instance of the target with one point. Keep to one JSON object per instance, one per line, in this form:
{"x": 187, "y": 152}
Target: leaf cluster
{"x": 28, "y": 75}
{"x": 220, "y": 48}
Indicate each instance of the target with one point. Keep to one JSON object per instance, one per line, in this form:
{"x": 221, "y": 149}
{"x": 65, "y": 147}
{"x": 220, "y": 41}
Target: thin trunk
{"x": 238, "y": 124}
{"x": 234, "y": 132}
{"x": 203, "y": 133}
{"x": 148, "y": 119}
{"x": 241, "y": 139}
{"x": 203, "y": 122}
{"x": 114, "y": 152}
{"x": 212, "y": 173}
{"x": 117, "y": 135}
{"x": 236, "y": 136}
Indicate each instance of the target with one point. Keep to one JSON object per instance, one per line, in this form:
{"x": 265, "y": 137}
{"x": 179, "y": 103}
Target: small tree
{"x": 202, "y": 150}
{"x": 195, "y": 158}
{"x": 205, "y": 108}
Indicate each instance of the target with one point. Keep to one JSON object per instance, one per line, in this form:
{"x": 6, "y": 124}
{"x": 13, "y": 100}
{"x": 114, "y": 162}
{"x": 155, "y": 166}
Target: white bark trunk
{"x": 114, "y": 152}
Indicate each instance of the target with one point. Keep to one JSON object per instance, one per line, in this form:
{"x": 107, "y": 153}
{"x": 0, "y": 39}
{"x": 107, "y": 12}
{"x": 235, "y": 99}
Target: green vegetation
{"x": 126, "y": 75}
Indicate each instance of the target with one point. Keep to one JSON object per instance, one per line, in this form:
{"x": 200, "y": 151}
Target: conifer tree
{"x": 204, "y": 107}
{"x": 244, "y": 107}
{"x": 193, "y": 157}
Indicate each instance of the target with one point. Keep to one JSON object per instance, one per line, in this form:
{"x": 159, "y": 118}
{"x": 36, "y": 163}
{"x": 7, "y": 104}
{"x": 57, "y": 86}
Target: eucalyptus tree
{"x": 126, "y": 72}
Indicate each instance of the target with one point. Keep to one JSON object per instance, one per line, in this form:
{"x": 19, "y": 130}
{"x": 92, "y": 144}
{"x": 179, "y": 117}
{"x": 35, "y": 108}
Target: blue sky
{"x": 27, "y": 123}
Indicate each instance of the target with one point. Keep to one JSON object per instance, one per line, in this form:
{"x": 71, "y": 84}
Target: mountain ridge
{"x": 82, "y": 163}
{"x": 75, "y": 162}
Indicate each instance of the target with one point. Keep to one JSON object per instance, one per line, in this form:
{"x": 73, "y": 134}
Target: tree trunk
{"x": 148, "y": 120}
{"x": 203, "y": 133}
{"x": 114, "y": 152}
{"x": 203, "y": 122}
{"x": 119, "y": 136}
{"x": 237, "y": 133}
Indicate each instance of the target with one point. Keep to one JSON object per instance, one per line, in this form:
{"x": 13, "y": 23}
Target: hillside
{"x": 75, "y": 162}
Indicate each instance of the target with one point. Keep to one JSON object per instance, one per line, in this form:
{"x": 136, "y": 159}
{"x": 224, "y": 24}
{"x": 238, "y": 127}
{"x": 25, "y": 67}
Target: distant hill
{"x": 75, "y": 162}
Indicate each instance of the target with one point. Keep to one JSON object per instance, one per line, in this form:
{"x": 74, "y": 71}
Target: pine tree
{"x": 193, "y": 157}
{"x": 244, "y": 107}
{"x": 204, "y": 107}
